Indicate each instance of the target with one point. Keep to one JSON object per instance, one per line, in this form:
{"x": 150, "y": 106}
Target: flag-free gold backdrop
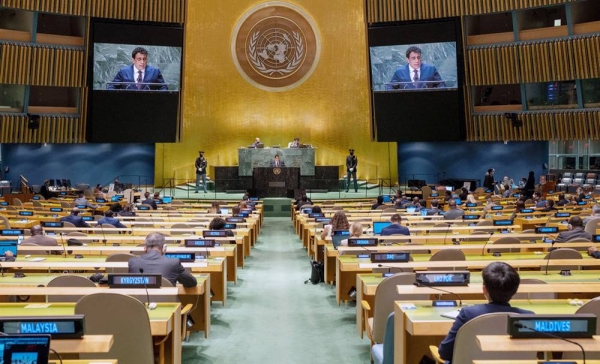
{"x": 222, "y": 111}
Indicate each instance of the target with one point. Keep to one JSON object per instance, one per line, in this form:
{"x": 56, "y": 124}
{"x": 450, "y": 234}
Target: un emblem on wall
{"x": 275, "y": 46}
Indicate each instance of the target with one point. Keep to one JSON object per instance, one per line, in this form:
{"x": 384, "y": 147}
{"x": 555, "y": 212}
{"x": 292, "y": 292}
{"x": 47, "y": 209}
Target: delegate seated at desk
{"x": 277, "y": 162}
{"x": 82, "y": 201}
{"x": 109, "y": 219}
{"x": 144, "y": 74}
{"x": 38, "y": 238}
{"x": 295, "y": 143}
{"x": 154, "y": 262}
{"x": 500, "y": 283}
{"x": 414, "y": 74}
{"x": 395, "y": 228}
{"x": 75, "y": 219}
{"x": 575, "y": 231}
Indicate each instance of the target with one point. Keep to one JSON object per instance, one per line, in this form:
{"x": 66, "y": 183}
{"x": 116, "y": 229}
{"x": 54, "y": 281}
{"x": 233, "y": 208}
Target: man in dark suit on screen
{"x": 415, "y": 75}
{"x": 138, "y": 76}
{"x": 154, "y": 262}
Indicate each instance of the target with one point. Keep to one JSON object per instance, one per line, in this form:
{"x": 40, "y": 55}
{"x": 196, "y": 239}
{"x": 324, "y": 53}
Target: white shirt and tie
{"x": 139, "y": 77}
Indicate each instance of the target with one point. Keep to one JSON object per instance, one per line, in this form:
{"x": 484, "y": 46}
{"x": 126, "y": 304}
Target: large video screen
{"x": 135, "y": 76}
{"x": 416, "y": 74}
{"x": 414, "y": 67}
{"x": 135, "y": 67}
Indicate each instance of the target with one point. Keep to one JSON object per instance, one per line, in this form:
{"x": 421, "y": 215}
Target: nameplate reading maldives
{"x": 539, "y": 326}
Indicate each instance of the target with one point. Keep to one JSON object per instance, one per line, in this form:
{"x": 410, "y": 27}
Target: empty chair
{"x": 465, "y": 344}
{"x": 66, "y": 205}
{"x": 562, "y": 253}
{"x": 119, "y": 257}
{"x": 385, "y": 295}
{"x": 384, "y": 353}
{"x": 478, "y": 235}
{"x": 565, "y": 182}
{"x": 593, "y": 307}
{"x": 68, "y": 281}
{"x": 505, "y": 240}
{"x": 4, "y": 223}
{"x": 579, "y": 175}
{"x": 534, "y": 296}
{"x": 181, "y": 226}
{"x": 68, "y": 224}
{"x": 126, "y": 319}
{"x": 453, "y": 255}
{"x": 592, "y": 226}
{"x": 387, "y": 210}
{"x": 17, "y": 202}
{"x": 37, "y": 204}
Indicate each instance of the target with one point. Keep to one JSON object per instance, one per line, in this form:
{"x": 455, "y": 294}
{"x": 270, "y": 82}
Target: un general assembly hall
{"x": 299, "y": 181}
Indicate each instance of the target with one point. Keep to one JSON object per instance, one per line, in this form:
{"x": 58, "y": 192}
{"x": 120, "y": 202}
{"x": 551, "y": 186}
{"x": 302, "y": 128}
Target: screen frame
{"x": 436, "y": 96}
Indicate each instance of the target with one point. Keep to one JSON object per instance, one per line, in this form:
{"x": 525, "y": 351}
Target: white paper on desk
{"x": 38, "y": 305}
{"x": 451, "y": 314}
{"x": 408, "y": 306}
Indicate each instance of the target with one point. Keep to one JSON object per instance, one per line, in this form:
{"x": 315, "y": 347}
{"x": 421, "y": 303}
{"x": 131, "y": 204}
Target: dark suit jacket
{"x": 446, "y": 348}
{"x": 154, "y": 262}
{"x": 75, "y": 220}
{"x": 150, "y": 202}
{"x": 40, "y": 240}
{"x": 395, "y": 229}
{"x": 126, "y": 74}
{"x": 281, "y": 163}
{"x": 428, "y": 73}
{"x": 575, "y": 233}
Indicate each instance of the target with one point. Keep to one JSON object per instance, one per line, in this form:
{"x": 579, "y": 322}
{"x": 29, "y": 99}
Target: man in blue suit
{"x": 138, "y": 76}
{"x": 415, "y": 75}
{"x": 75, "y": 219}
{"x": 395, "y": 228}
{"x": 500, "y": 283}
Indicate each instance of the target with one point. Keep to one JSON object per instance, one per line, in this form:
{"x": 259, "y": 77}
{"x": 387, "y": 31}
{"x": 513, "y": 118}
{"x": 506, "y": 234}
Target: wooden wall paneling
{"x": 594, "y": 125}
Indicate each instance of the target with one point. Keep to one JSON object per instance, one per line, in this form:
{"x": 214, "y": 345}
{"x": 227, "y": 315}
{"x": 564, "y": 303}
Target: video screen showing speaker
{"x": 416, "y": 74}
{"x": 134, "y": 73}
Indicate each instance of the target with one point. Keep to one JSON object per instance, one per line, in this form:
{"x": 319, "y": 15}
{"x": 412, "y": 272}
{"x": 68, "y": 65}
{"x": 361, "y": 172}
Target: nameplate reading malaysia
{"x": 58, "y": 327}
{"x": 134, "y": 280}
{"x": 541, "y": 326}
{"x": 442, "y": 278}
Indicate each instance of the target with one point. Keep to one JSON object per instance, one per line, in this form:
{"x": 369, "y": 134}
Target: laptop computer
{"x": 338, "y": 236}
{"x": 8, "y": 245}
{"x": 25, "y": 349}
{"x": 379, "y": 225}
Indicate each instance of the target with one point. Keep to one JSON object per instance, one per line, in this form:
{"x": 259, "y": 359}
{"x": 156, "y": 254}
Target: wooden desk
{"x": 92, "y": 361}
{"x": 506, "y": 343}
{"x": 418, "y": 328}
{"x": 165, "y": 322}
{"x": 366, "y": 286}
{"x": 34, "y": 285}
{"x": 216, "y": 267}
{"x": 347, "y": 267}
{"x": 88, "y": 344}
{"x": 228, "y": 251}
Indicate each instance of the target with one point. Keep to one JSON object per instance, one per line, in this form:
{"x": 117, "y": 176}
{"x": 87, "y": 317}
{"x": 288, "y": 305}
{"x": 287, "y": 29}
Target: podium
{"x": 275, "y": 181}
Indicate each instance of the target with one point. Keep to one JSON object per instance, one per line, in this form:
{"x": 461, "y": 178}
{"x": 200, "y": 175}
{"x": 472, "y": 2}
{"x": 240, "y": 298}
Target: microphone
{"x": 150, "y": 305}
{"x": 1, "y": 270}
{"x": 63, "y": 245}
{"x": 446, "y": 234}
{"x": 103, "y": 235}
{"x": 389, "y": 267}
{"x": 442, "y": 290}
{"x": 486, "y": 243}
{"x": 549, "y": 256}
{"x": 520, "y": 325}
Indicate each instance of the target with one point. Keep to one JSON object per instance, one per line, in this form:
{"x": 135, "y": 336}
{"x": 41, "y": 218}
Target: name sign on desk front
{"x": 63, "y": 327}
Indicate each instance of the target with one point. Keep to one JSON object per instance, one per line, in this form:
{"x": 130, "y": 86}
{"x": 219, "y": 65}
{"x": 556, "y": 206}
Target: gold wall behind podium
{"x": 222, "y": 111}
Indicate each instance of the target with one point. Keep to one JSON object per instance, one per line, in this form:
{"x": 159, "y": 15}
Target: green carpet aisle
{"x": 273, "y": 317}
